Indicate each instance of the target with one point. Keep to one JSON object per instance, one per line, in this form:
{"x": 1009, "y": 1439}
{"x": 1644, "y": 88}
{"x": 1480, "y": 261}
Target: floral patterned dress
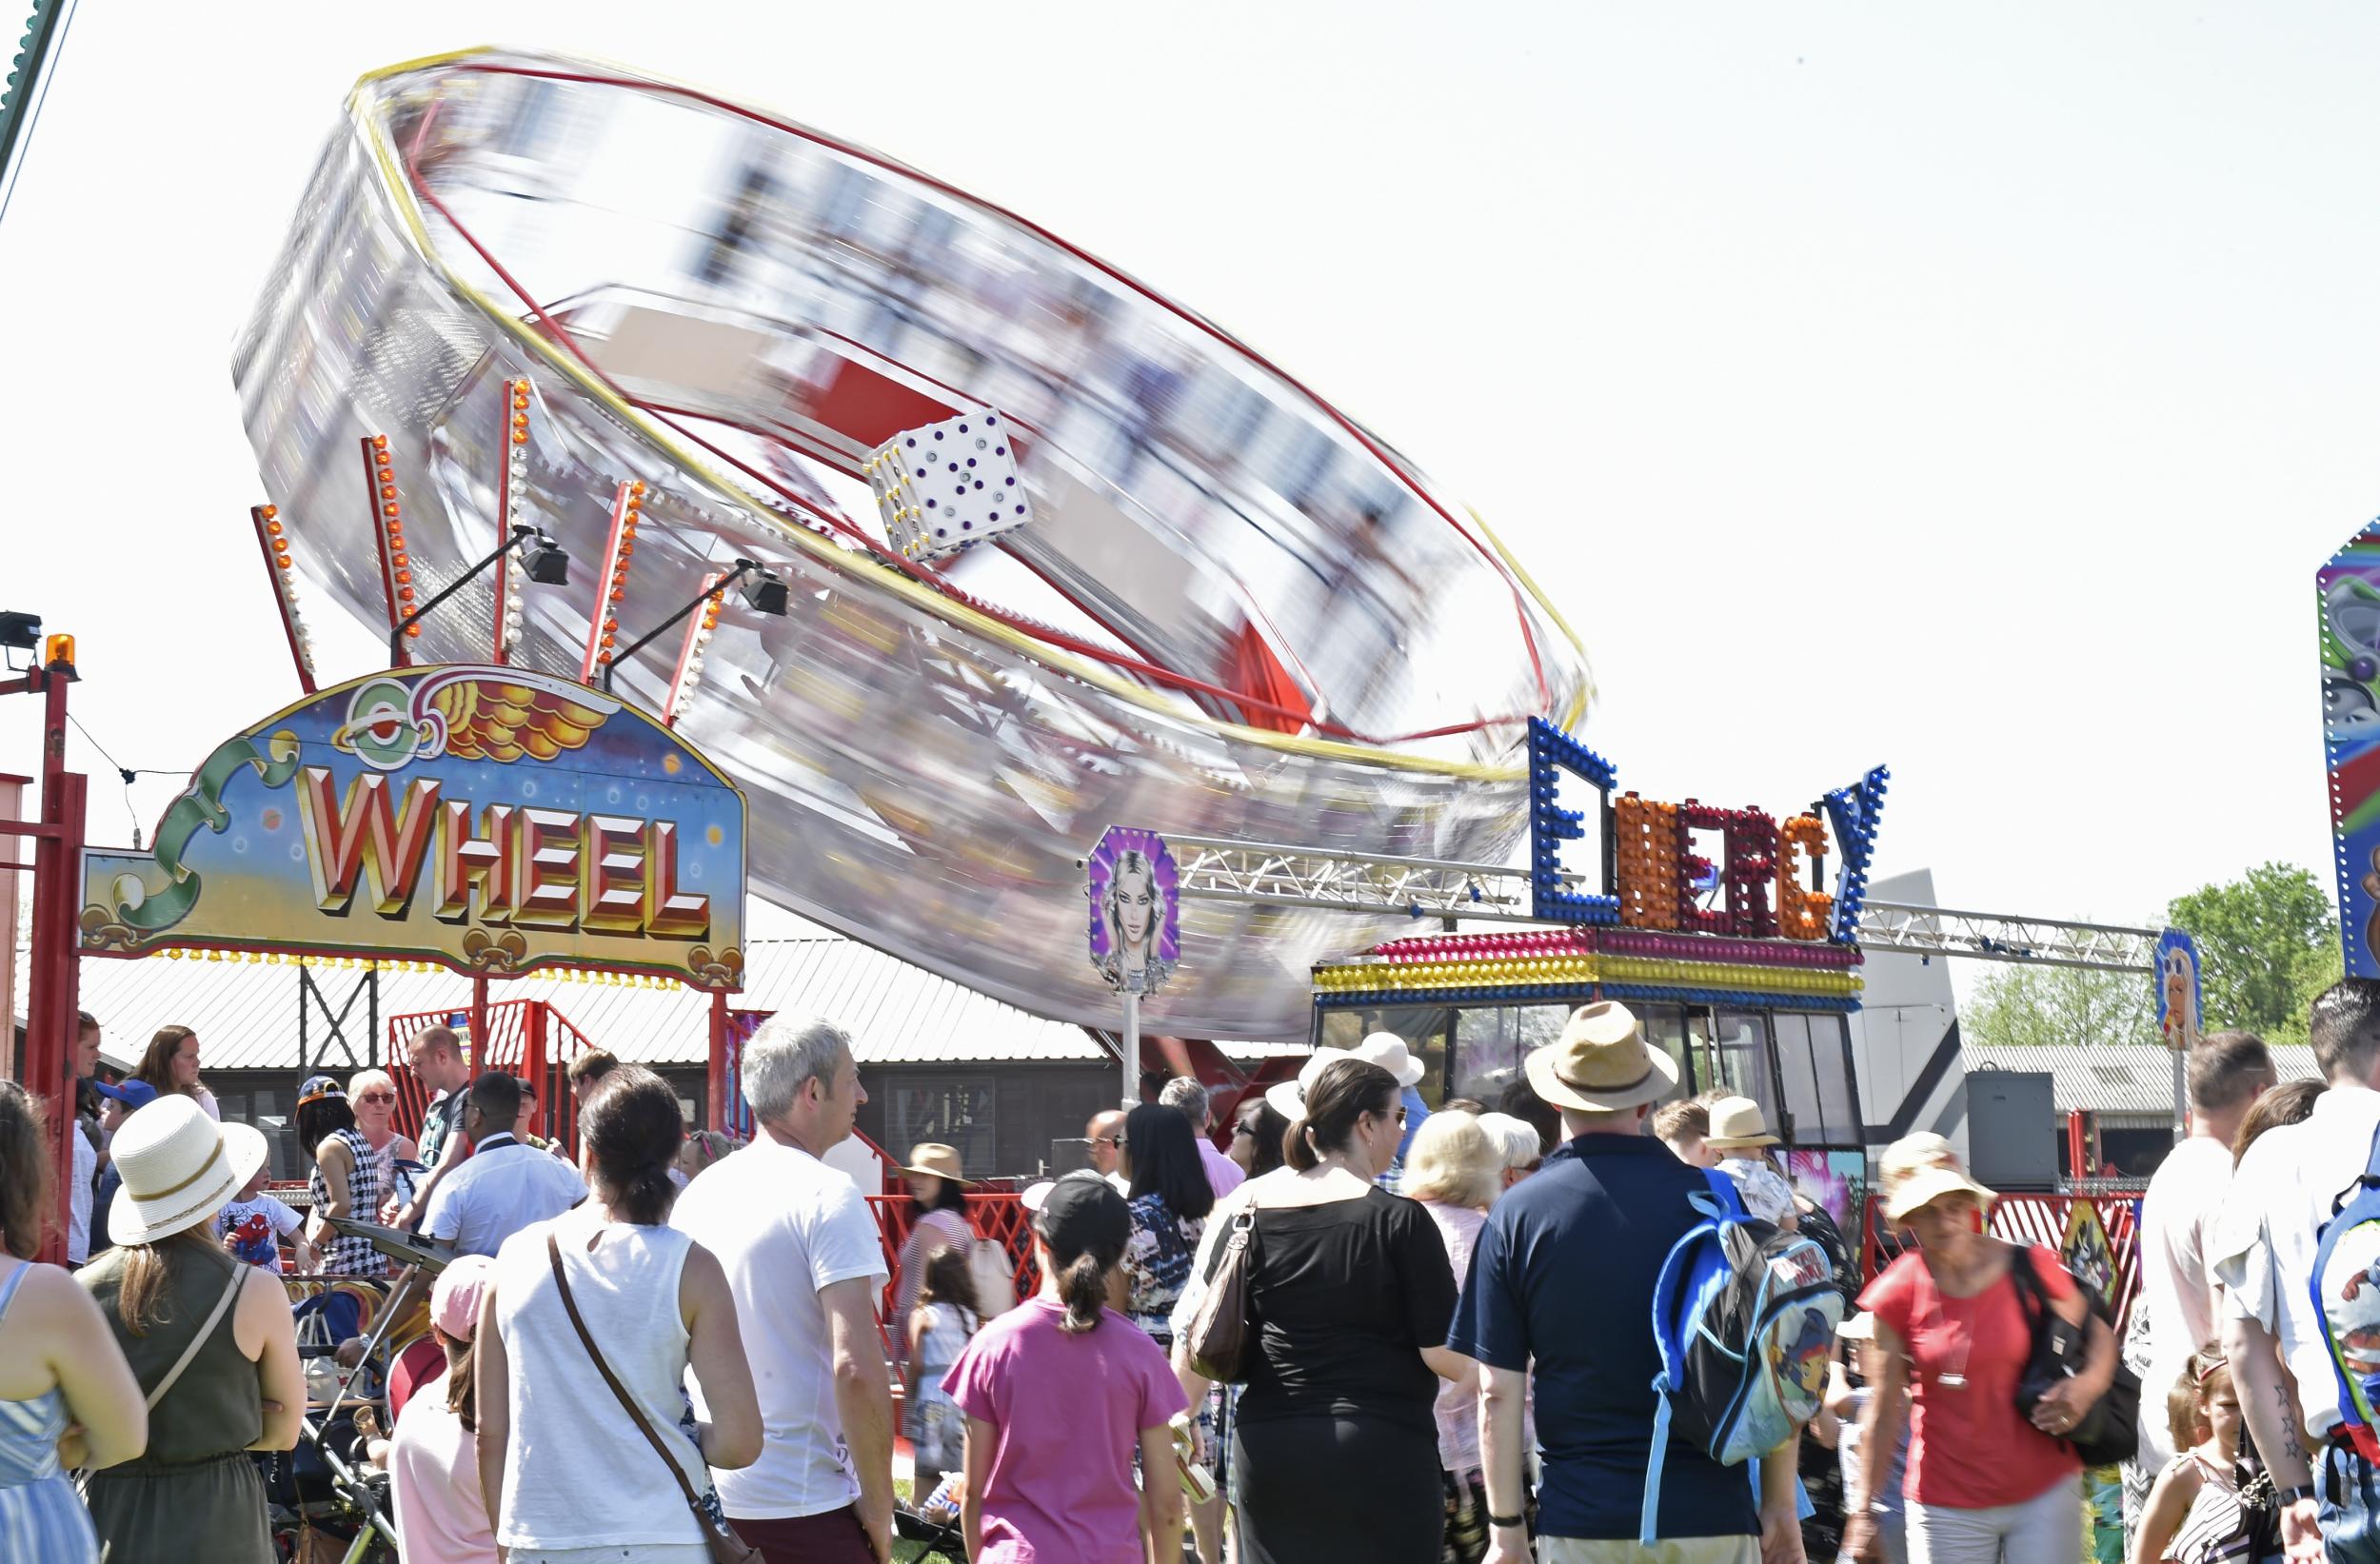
{"x": 1157, "y": 1263}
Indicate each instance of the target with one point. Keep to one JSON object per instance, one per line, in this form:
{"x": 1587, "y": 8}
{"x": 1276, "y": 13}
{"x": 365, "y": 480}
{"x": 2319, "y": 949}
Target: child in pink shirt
{"x": 1058, "y": 1394}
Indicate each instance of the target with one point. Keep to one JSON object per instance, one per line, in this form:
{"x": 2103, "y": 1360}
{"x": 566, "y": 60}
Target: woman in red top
{"x": 1985, "y": 1485}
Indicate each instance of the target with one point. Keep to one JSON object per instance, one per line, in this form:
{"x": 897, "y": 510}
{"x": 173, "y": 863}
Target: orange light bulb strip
{"x": 272, "y": 537}
{"x": 602, "y": 624}
{"x": 396, "y": 571}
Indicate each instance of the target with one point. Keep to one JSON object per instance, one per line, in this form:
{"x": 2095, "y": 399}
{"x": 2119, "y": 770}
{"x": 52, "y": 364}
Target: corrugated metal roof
{"x": 246, "y": 1013}
{"x": 2117, "y": 1078}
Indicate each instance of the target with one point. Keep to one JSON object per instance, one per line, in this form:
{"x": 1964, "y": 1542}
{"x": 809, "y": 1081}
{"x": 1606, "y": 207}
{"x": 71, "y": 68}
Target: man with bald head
{"x": 1106, "y": 1133}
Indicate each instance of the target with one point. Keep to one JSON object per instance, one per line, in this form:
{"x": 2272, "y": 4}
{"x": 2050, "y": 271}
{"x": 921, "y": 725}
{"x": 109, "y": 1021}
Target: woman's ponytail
{"x": 1083, "y": 1287}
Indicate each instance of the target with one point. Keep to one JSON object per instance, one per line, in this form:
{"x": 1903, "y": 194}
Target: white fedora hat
{"x": 1602, "y": 1062}
{"x": 180, "y": 1167}
{"x": 1737, "y": 1122}
{"x": 1386, "y": 1049}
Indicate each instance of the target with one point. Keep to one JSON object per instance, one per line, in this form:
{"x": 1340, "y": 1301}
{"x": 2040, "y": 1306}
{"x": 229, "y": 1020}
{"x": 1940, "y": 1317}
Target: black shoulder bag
{"x": 2110, "y": 1431}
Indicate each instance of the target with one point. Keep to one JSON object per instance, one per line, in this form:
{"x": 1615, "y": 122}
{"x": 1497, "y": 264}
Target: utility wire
{"x": 128, "y": 774}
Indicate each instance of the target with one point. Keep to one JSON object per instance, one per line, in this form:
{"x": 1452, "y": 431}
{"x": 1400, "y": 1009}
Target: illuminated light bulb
{"x": 272, "y": 527}
{"x": 405, "y": 594}
{"x": 389, "y": 510}
{"x": 380, "y": 441}
{"x": 270, "y": 511}
{"x": 519, "y": 437}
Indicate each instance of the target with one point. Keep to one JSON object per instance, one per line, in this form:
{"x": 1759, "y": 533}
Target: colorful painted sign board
{"x": 2346, "y": 598}
{"x": 2178, "y": 1015}
{"x": 1136, "y": 909}
{"x": 496, "y": 820}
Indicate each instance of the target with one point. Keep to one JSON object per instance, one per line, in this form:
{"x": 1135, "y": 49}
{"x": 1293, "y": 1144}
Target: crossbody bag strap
{"x": 636, "y": 1414}
{"x": 189, "y": 1353}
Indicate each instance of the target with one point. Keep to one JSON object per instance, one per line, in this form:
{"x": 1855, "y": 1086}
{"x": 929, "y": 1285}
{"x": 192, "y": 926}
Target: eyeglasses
{"x": 376, "y": 1096}
{"x": 1115, "y": 1141}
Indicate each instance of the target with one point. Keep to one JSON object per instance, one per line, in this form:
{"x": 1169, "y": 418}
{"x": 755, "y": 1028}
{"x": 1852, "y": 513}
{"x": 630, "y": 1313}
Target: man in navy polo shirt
{"x": 1562, "y": 1288}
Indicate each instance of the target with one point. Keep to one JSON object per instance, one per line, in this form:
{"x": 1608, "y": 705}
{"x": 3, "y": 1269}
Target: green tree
{"x": 2023, "y": 1005}
{"x": 2267, "y": 944}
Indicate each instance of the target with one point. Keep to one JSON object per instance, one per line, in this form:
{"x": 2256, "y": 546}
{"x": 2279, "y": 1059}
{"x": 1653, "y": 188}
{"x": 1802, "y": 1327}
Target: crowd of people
{"x": 671, "y": 1349}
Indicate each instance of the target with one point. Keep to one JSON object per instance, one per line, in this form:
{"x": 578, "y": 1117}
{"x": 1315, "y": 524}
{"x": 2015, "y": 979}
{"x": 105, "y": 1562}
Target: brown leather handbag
{"x": 726, "y": 1547}
{"x": 1221, "y": 1340}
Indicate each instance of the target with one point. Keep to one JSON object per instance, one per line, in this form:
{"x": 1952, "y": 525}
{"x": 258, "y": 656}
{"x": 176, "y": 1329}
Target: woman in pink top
{"x": 1058, "y": 1394}
{"x": 433, "y": 1461}
{"x": 1455, "y": 1169}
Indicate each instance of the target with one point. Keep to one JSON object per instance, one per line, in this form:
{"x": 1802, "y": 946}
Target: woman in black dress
{"x": 1350, "y": 1293}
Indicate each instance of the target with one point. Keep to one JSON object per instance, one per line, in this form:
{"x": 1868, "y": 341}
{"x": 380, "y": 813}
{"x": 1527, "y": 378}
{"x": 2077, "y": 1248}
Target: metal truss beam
{"x": 1267, "y": 875}
{"x": 2043, "y": 942}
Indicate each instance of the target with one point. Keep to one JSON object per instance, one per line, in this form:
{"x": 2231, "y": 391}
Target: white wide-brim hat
{"x": 179, "y": 1168}
{"x": 1386, "y": 1049}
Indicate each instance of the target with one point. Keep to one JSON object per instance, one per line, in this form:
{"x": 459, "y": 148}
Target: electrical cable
{"x": 127, "y": 773}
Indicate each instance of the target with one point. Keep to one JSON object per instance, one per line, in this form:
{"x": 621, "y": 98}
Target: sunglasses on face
{"x": 1115, "y": 1141}
{"x": 377, "y": 1097}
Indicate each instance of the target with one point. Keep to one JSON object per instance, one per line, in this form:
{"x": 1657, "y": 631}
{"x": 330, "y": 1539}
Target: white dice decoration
{"x": 948, "y": 486}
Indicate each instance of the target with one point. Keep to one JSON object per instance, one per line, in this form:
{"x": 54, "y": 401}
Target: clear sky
{"x": 1970, "y": 388}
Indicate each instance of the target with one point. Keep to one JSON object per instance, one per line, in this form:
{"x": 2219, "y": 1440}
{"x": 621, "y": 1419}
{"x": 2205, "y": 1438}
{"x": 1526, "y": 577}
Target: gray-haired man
{"x": 1222, "y": 1174}
{"x": 806, "y": 1264}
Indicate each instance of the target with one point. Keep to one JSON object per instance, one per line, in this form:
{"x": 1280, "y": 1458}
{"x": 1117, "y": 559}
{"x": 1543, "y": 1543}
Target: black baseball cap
{"x": 1078, "y": 1215}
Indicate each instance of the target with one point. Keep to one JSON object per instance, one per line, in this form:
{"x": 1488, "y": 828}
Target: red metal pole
{"x": 54, "y": 997}
{"x": 714, "y": 1109}
{"x": 533, "y": 1056}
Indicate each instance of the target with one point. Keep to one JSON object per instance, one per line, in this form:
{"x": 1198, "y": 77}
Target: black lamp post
{"x": 546, "y": 563}
{"x": 762, "y": 592}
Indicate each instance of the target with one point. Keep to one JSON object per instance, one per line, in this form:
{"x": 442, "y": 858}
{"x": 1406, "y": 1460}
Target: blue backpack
{"x": 2346, "y": 1286}
{"x": 1744, "y": 1315}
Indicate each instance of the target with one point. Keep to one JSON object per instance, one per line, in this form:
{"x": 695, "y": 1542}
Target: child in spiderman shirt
{"x": 254, "y": 1223}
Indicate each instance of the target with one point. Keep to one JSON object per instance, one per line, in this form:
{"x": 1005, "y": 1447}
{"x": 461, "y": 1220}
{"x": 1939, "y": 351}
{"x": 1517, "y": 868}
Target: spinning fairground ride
{"x": 1026, "y": 549}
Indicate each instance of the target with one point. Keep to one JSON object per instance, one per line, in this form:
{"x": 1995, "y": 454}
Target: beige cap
{"x": 1920, "y": 1169}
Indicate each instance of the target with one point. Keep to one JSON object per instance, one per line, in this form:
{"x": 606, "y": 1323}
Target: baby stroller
{"x": 939, "y": 1541}
{"x": 934, "y": 1526}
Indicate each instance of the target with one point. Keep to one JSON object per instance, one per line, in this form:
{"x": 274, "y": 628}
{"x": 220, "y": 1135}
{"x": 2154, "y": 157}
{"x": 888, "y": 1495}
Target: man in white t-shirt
{"x": 504, "y": 1186}
{"x": 2261, "y": 1248}
{"x": 806, "y": 1265}
{"x": 2227, "y": 1072}
{"x": 1105, "y": 1132}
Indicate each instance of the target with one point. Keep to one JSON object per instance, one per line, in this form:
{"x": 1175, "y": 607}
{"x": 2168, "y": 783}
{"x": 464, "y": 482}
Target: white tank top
{"x": 576, "y": 1473}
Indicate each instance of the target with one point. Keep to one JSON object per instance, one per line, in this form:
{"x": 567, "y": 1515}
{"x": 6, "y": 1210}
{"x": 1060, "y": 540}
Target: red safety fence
{"x": 2034, "y": 1218}
{"x": 997, "y": 1215}
{"x": 529, "y": 1037}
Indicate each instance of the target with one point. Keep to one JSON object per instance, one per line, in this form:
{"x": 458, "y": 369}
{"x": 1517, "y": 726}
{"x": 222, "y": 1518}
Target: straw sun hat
{"x": 1736, "y": 1122}
{"x": 1602, "y": 1062}
{"x": 932, "y": 1159}
{"x": 180, "y": 1167}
